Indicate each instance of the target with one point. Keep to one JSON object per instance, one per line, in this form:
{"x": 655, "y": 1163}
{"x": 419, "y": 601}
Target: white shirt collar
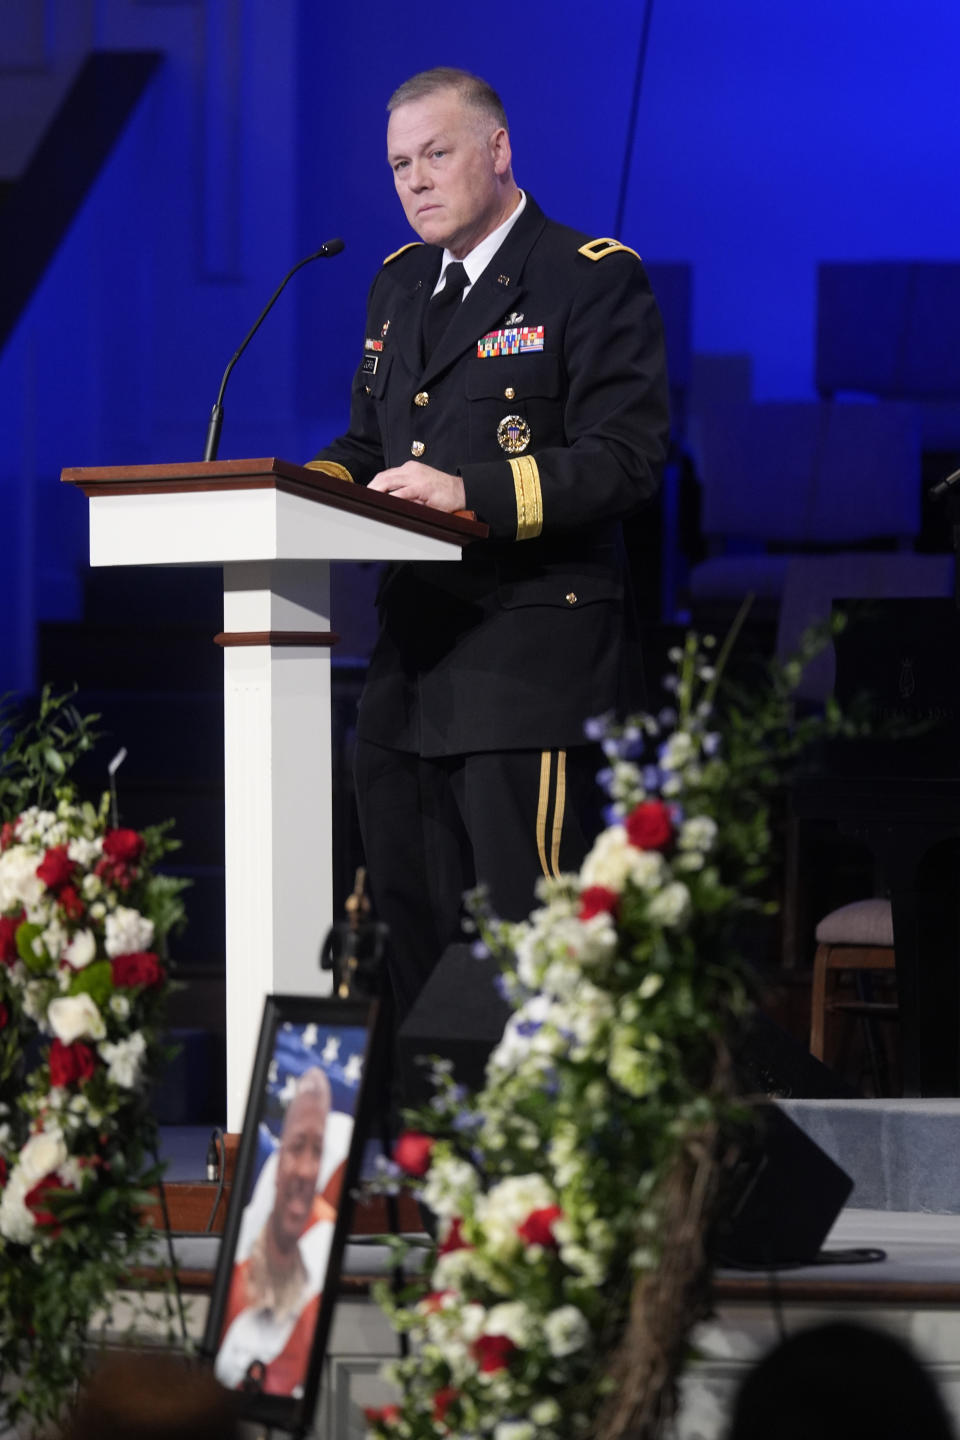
{"x": 480, "y": 256}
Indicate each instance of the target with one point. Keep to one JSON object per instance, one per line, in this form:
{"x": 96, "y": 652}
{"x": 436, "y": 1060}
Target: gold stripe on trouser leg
{"x": 542, "y": 807}
{"x": 559, "y": 805}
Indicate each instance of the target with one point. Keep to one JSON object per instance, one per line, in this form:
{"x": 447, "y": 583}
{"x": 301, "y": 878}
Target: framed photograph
{"x": 312, "y": 1100}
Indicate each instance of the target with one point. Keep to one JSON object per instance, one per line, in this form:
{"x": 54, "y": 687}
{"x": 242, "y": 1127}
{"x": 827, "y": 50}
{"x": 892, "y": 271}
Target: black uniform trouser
{"x": 434, "y": 828}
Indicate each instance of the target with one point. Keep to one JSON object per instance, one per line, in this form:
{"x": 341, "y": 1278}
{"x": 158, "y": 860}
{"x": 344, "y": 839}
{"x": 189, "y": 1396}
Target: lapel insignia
{"x": 518, "y": 340}
{"x": 503, "y": 279}
{"x": 513, "y": 434}
{"x": 384, "y": 328}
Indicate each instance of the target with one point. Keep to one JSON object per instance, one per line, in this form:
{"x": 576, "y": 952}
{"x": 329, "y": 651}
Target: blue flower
{"x": 596, "y": 727}
{"x": 526, "y": 1028}
{"x": 503, "y": 988}
{"x": 479, "y": 950}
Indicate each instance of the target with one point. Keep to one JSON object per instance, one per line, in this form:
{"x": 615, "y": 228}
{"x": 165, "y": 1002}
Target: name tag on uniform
{"x": 369, "y": 365}
{"x": 518, "y": 340}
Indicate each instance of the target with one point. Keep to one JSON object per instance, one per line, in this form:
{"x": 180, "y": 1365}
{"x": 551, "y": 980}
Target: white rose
{"x": 75, "y": 1017}
{"x": 81, "y": 950}
{"x": 566, "y": 1330}
{"x": 16, "y": 1221}
{"x": 19, "y": 883}
{"x": 41, "y": 1155}
{"x": 124, "y": 1059}
{"x": 127, "y": 932}
{"x": 608, "y": 863}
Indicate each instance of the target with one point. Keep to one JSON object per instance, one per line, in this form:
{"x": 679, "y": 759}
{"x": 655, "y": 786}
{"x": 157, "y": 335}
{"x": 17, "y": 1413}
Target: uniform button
{"x": 417, "y": 448}
{"x": 509, "y": 393}
{"x": 421, "y": 398}
{"x": 571, "y": 597}
{"x": 368, "y": 390}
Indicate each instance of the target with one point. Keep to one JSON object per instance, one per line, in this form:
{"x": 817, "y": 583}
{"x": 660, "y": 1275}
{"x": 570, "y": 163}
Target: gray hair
{"x": 470, "y": 89}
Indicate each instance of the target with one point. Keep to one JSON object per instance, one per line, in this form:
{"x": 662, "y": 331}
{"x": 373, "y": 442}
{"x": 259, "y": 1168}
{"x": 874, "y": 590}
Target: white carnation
{"x": 124, "y": 1059}
{"x": 507, "y": 1205}
{"x": 671, "y": 907}
{"x": 514, "y": 1430}
{"x": 75, "y": 1017}
{"x": 566, "y": 1330}
{"x": 127, "y": 932}
{"x": 84, "y": 851}
{"x": 19, "y": 882}
{"x": 515, "y": 1320}
{"x": 449, "y": 1185}
{"x": 697, "y": 833}
{"x": 17, "y": 1223}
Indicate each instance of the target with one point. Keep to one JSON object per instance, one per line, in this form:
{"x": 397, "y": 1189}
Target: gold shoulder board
{"x": 597, "y": 249}
{"x": 401, "y": 250}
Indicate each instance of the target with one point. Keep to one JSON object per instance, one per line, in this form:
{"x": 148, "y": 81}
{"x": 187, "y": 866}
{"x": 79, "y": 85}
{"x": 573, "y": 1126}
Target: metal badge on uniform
{"x": 515, "y": 340}
{"x": 514, "y": 317}
{"x": 384, "y": 328}
{"x": 513, "y": 434}
{"x": 369, "y": 365}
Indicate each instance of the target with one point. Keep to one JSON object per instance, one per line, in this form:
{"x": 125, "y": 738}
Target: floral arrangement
{"x": 83, "y": 924}
{"x": 574, "y": 1192}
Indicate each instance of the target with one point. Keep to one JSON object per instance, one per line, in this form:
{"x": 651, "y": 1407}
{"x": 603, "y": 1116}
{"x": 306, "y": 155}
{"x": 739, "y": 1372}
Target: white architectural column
{"x": 278, "y": 795}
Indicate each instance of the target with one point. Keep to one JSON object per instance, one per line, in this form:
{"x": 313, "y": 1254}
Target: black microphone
{"x": 332, "y": 247}
{"x": 945, "y": 486}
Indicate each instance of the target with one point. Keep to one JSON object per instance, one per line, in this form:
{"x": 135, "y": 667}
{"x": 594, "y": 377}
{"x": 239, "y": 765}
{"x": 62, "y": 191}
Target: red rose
{"x": 597, "y": 900}
{"x": 34, "y": 1200}
{"x": 493, "y": 1352}
{"x": 9, "y": 924}
{"x": 56, "y": 868}
{"x": 412, "y": 1152}
{"x": 7, "y": 834}
{"x": 537, "y": 1229}
{"x": 141, "y": 967}
{"x": 4, "y": 1016}
{"x": 454, "y": 1239}
{"x": 71, "y": 1064}
{"x": 442, "y": 1401}
{"x": 3, "y": 1172}
{"x": 385, "y": 1415}
{"x": 649, "y": 826}
{"x": 73, "y": 906}
{"x": 124, "y": 845}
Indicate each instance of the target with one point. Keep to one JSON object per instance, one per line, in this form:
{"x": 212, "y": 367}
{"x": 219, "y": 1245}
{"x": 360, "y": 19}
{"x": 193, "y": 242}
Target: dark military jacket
{"x": 548, "y": 395}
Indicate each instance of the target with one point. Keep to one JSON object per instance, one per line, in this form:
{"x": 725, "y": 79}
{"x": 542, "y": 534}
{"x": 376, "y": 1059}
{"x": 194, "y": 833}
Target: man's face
{"x": 298, "y": 1164}
{"x": 449, "y": 162}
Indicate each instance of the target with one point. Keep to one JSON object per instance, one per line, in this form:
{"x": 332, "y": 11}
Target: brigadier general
{"x": 515, "y": 368}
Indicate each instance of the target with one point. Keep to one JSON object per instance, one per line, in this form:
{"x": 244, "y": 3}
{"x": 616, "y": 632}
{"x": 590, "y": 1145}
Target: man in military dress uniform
{"x": 514, "y": 368}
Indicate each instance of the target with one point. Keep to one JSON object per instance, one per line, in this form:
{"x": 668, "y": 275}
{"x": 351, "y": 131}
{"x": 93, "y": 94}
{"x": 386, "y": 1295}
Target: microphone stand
{"x": 331, "y": 247}
{"x": 948, "y": 491}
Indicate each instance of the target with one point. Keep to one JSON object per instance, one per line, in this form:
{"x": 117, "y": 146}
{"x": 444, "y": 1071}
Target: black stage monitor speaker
{"x": 782, "y": 1198}
{"x": 459, "y": 1015}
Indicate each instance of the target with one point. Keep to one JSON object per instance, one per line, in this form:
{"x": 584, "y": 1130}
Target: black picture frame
{"x": 341, "y": 1038}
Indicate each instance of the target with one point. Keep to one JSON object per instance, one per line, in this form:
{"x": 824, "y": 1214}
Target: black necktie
{"x": 440, "y": 310}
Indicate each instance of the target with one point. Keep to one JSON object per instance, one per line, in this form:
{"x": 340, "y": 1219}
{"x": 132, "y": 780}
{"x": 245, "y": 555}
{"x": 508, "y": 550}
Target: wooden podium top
{"x": 273, "y": 474}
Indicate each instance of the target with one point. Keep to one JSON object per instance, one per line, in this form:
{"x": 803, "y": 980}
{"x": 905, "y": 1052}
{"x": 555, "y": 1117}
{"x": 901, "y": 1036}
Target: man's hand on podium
{"x": 413, "y": 481}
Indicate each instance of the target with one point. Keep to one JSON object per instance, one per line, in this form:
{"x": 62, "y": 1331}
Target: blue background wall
{"x": 770, "y": 136}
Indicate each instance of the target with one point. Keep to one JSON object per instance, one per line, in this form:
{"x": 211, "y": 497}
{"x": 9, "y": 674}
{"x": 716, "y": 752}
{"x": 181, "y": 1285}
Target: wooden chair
{"x": 856, "y": 938}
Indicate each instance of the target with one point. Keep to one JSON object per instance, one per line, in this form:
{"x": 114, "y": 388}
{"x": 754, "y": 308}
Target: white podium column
{"x": 278, "y": 812}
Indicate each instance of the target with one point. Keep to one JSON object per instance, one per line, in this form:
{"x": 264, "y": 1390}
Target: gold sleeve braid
{"x": 526, "y": 483}
{"x": 330, "y": 467}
